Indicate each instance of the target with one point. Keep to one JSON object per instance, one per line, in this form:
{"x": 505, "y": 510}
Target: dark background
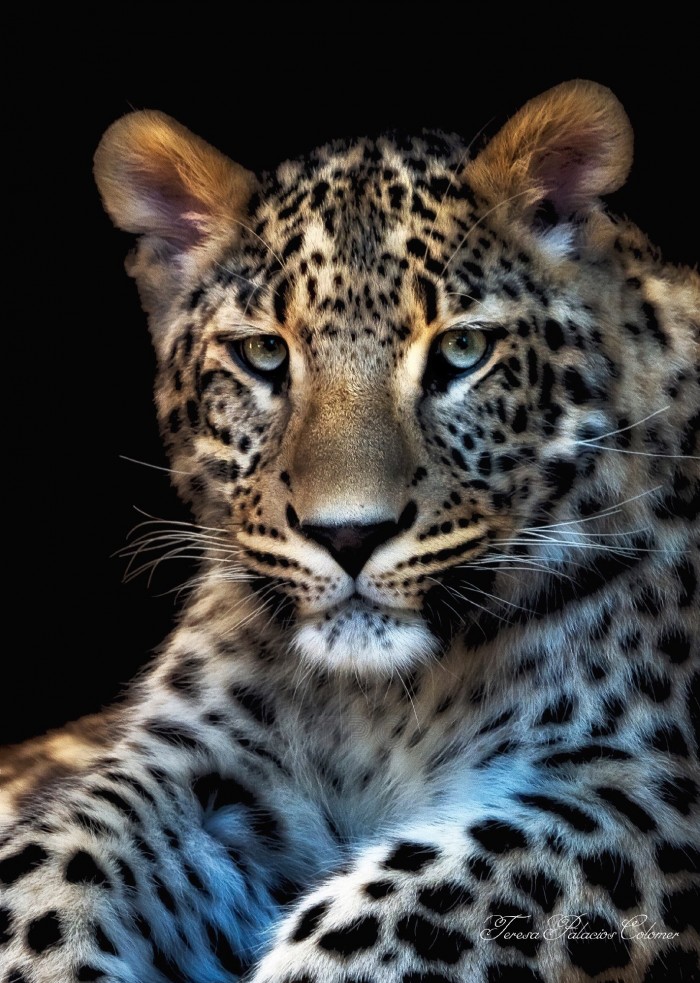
{"x": 78, "y": 383}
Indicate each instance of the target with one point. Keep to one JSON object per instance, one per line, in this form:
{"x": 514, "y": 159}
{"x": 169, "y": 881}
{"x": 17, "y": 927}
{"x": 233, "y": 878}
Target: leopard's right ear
{"x": 160, "y": 181}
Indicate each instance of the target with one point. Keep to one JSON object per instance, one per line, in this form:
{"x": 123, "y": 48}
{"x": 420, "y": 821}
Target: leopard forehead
{"x": 345, "y": 248}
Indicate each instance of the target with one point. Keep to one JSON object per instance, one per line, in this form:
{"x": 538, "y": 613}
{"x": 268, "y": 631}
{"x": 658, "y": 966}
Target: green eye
{"x": 463, "y": 350}
{"x": 264, "y": 354}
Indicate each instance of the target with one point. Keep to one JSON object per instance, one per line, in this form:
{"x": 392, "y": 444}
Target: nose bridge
{"x": 351, "y": 460}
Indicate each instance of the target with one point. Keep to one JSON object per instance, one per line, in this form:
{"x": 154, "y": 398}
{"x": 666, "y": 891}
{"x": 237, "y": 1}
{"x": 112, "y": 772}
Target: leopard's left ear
{"x": 563, "y": 149}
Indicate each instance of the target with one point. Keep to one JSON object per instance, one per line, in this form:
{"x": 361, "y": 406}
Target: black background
{"x": 77, "y": 385}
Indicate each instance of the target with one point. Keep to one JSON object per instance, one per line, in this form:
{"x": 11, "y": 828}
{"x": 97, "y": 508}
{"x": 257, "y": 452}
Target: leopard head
{"x": 378, "y": 364}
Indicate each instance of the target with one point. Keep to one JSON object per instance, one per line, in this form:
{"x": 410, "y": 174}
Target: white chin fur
{"x": 360, "y": 639}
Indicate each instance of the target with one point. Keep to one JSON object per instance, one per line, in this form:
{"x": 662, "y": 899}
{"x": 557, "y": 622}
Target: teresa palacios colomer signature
{"x": 574, "y": 927}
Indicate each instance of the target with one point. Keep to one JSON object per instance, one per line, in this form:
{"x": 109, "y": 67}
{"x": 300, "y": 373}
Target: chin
{"x": 364, "y": 639}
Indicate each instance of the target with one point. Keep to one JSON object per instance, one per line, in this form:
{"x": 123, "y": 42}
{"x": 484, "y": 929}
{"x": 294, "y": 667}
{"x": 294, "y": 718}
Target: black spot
{"x": 541, "y": 888}
{"x": 167, "y": 967}
{"x": 682, "y": 909}
{"x": 44, "y": 932}
{"x": 427, "y": 288}
{"x": 519, "y": 421}
{"x": 585, "y": 755}
{"x": 687, "y": 578}
{"x": 652, "y": 323}
{"x": 293, "y": 246}
{"x": 193, "y": 302}
{"x": 221, "y": 947}
{"x": 254, "y": 703}
{"x": 445, "y": 897}
{"x": 125, "y": 872}
{"x": 654, "y": 685}
{"x": 627, "y": 807}
{"x": 675, "y": 644}
{"x": 318, "y": 194}
{"x": 86, "y": 974}
{"x": 104, "y": 943}
{"x": 670, "y": 740}
{"x": 214, "y": 792}
{"x": 358, "y": 935}
{"x": 554, "y": 336}
{"x": 280, "y": 301}
{"x": 674, "y": 859}
{"x": 558, "y": 713}
{"x": 615, "y": 874}
{"x": 194, "y": 878}
{"x": 22, "y": 863}
{"x": 164, "y": 895}
{"x": 380, "y": 889}
{"x": 172, "y": 733}
{"x": 497, "y": 836}
{"x": 5, "y": 934}
{"x": 309, "y": 921}
{"x": 83, "y": 869}
{"x": 192, "y": 412}
{"x": 496, "y": 722}
{"x": 16, "y": 976}
{"x": 606, "y": 950}
{"x": 560, "y": 476}
{"x": 679, "y": 792}
{"x": 119, "y": 803}
{"x": 674, "y": 964}
{"x": 571, "y": 814}
{"x": 480, "y": 868}
{"x": 431, "y": 941}
{"x": 184, "y": 678}
{"x": 410, "y": 857}
{"x": 576, "y": 387}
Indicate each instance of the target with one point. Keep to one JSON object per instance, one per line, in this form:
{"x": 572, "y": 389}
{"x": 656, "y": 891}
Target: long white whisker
{"x": 621, "y": 450}
{"x": 630, "y": 426}
{"x": 478, "y": 222}
{"x": 156, "y": 467}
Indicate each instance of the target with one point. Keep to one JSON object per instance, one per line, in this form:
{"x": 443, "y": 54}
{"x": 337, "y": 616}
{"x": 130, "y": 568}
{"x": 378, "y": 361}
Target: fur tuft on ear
{"x": 565, "y": 147}
{"x": 158, "y": 179}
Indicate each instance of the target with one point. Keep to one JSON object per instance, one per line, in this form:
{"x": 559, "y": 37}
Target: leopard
{"x": 430, "y": 710}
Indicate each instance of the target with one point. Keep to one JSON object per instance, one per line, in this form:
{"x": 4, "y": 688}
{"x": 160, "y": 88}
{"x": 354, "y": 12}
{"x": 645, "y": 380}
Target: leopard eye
{"x": 264, "y": 354}
{"x": 462, "y": 350}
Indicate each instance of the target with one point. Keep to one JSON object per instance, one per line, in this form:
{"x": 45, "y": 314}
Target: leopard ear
{"x": 158, "y": 179}
{"x": 562, "y": 150}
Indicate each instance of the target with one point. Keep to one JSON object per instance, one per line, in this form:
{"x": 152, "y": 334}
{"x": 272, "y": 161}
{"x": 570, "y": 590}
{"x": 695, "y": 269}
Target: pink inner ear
{"x": 173, "y": 212}
{"x": 570, "y": 174}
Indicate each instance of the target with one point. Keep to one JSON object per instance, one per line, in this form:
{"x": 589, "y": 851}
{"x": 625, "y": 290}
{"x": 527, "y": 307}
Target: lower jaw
{"x": 358, "y": 637}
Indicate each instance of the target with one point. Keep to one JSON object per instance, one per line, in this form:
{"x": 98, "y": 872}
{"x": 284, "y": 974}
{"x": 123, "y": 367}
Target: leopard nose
{"x": 351, "y": 546}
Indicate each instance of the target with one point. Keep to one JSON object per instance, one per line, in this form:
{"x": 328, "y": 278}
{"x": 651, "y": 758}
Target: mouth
{"x": 361, "y": 636}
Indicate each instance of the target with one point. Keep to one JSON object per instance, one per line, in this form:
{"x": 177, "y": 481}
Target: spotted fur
{"x": 431, "y": 712}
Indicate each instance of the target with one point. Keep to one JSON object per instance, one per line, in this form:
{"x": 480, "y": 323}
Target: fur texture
{"x": 431, "y": 711}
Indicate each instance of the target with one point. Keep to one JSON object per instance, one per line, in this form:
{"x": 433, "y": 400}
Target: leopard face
{"x": 380, "y": 365}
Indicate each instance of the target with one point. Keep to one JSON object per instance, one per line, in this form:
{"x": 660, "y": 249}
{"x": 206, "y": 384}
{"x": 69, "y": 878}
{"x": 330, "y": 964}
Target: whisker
{"x": 451, "y": 182}
{"x": 630, "y": 426}
{"x": 478, "y": 222}
{"x": 156, "y": 467}
{"x": 604, "y": 513}
{"x": 621, "y": 450}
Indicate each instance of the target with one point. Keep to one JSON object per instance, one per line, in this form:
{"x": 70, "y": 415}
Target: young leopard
{"x": 430, "y": 713}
